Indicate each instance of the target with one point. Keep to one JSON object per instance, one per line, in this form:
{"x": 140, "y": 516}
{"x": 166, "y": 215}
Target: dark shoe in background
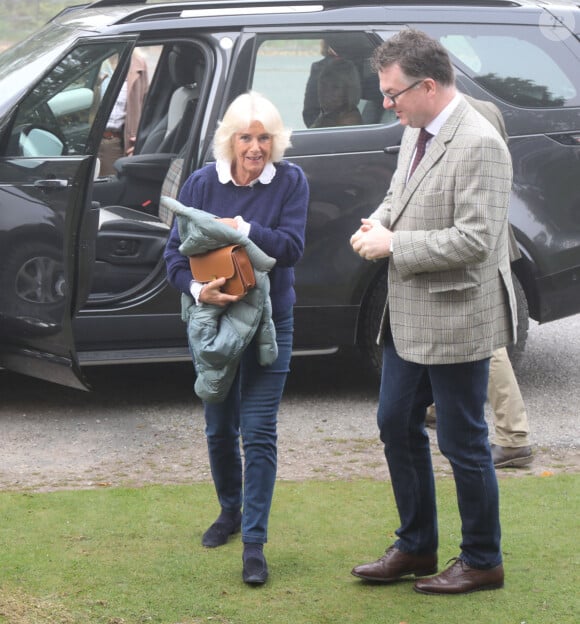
{"x": 508, "y": 457}
{"x": 220, "y": 531}
{"x": 394, "y": 565}
{"x": 460, "y": 578}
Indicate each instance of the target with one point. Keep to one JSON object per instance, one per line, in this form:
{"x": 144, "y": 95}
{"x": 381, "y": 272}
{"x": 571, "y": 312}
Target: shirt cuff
{"x": 195, "y": 289}
{"x": 243, "y": 226}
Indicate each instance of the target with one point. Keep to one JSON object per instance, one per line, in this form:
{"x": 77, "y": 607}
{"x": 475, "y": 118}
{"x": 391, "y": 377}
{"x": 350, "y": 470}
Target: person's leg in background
{"x": 110, "y": 150}
{"x": 511, "y": 445}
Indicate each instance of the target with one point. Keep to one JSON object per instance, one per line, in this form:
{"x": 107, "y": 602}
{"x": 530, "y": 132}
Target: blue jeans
{"x": 459, "y": 392}
{"x": 250, "y": 410}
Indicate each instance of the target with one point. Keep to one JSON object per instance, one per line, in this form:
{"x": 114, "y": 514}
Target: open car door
{"x": 48, "y": 223}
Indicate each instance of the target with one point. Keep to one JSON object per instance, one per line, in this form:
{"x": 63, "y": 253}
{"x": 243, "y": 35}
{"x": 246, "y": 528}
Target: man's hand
{"x": 131, "y": 147}
{"x": 372, "y": 240}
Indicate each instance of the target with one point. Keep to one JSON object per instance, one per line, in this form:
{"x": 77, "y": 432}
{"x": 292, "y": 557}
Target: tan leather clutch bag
{"x": 231, "y": 262}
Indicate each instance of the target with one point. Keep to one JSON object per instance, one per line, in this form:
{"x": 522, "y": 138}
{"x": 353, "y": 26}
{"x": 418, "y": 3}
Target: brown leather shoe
{"x": 459, "y": 578}
{"x": 394, "y": 565}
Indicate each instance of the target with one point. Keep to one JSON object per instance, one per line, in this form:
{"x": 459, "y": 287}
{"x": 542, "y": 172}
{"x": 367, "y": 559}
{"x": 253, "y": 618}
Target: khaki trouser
{"x": 509, "y": 412}
{"x": 109, "y": 151}
{"x": 505, "y": 398}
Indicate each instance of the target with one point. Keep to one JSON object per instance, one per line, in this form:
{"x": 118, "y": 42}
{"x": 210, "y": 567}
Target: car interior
{"x": 133, "y": 227}
{"x": 132, "y": 232}
{"x": 57, "y": 118}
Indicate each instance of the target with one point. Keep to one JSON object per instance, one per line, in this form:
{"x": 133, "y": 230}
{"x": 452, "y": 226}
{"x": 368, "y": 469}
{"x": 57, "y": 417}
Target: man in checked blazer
{"x": 450, "y": 304}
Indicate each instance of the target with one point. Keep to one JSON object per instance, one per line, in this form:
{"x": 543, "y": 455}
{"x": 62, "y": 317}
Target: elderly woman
{"x": 253, "y": 190}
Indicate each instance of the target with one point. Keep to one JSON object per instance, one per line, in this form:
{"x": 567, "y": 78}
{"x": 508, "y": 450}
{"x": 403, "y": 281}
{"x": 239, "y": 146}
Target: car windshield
{"x": 22, "y": 64}
{"x": 25, "y": 62}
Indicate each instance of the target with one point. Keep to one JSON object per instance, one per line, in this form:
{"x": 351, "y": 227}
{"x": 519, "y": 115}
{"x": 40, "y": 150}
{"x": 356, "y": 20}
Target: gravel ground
{"x": 142, "y": 424}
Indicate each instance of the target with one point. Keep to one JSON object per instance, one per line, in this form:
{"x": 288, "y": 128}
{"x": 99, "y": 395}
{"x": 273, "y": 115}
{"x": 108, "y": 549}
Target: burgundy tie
{"x": 424, "y": 136}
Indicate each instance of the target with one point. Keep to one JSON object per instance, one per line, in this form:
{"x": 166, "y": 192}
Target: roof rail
{"x": 108, "y": 3}
{"x": 111, "y": 3}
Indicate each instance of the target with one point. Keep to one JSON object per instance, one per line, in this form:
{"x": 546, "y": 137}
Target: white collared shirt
{"x": 435, "y": 125}
{"x": 119, "y": 112}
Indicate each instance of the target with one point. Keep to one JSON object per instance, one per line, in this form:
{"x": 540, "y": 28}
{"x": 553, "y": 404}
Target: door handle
{"x": 51, "y": 184}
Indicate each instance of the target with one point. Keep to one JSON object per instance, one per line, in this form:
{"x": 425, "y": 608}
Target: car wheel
{"x": 370, "y": 321}
{"x": 32, "y": 281}
{"x": 516, "y": 350}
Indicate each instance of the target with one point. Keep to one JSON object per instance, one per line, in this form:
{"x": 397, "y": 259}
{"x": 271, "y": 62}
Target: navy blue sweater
{"x": 277, "y": 214}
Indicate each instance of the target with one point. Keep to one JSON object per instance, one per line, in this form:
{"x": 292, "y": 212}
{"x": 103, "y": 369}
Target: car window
{"x": 320, "y": 81}
{"x": 122, "y": 126}
{"x": 144, "y": 139}
{"x": 55, "y": 118}
{"x": 519, "y": 65}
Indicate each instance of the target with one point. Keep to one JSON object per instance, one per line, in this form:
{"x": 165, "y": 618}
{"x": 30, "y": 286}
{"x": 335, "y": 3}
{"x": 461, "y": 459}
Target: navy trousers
{"x": 459, "y": 392}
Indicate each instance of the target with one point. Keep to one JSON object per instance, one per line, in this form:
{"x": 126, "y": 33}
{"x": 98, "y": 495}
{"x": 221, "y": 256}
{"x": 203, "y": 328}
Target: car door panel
{"x": 347, "y": 167}
{"x": 37, "y": 293}
{"x": 47, "y": 223}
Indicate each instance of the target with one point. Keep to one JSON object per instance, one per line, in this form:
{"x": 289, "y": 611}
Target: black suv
{"x": 81, "y": 271}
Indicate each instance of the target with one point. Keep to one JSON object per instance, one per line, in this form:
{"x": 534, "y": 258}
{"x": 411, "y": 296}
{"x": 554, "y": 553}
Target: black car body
{"x": 82, "y": 278}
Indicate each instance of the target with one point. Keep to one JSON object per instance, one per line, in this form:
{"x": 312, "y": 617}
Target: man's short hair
{"x": 417, "y": 54}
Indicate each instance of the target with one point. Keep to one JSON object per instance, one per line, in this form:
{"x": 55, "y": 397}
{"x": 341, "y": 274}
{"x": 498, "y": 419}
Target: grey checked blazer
{"x": 450, "y": 297}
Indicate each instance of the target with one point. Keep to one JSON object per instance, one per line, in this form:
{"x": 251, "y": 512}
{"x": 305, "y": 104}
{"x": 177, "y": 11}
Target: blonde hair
{"x": 244, "y": 110}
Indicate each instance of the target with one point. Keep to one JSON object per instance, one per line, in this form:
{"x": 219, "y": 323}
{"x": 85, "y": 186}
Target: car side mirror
{"x": 38, "y": 142}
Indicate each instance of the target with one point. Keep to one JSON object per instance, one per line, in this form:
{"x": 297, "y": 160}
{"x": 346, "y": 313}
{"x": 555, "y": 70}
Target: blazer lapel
{"x": 400, "y": 191}
{"x": 436, "y": 150}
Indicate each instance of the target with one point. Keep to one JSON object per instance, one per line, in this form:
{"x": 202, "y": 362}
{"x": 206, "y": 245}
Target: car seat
{"x": 131, "y": 242}
{"x": 170, "y": 188}
{"x": 186, "y": 70}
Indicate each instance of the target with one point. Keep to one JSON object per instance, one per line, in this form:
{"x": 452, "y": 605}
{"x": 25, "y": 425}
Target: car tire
{"x": 516, "y": 350}
{"x": 374, "y": 305}
{"x": 369, "y": 323}
{"x": 32, "y": 281}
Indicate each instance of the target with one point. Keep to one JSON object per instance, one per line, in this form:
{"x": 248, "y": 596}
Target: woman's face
{"x": 332, "y": 95}
{"x": 252, "y": 150}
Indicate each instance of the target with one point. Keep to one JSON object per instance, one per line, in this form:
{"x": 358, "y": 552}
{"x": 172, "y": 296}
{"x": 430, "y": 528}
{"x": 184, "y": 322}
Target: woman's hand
{"x": 211, "y": 293}
{"x": 229, "y": 221}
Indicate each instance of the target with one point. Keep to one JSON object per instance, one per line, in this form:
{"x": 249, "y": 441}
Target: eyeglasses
{"x": 393, "y": 96}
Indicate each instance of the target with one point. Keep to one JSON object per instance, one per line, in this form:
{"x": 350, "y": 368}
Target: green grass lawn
{"x": 130, "y": 556}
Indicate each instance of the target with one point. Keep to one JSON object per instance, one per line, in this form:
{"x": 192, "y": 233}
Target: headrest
{"x": 183, "y": 63}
